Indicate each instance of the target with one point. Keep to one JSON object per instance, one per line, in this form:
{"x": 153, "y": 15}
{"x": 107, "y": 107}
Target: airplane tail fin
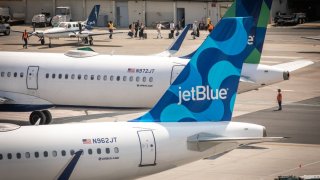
{"x": 206, "y": 88}
{"x": 260, "y": 11}
{"x": 175, "y": 46}
{"x": 93, "y": 17}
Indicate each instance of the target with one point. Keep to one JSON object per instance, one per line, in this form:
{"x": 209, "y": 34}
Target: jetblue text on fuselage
{"x": 200, "y": 93}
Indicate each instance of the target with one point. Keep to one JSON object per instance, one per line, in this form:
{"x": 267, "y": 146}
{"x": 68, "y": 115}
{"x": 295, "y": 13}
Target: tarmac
{"x": 298, "y": 155}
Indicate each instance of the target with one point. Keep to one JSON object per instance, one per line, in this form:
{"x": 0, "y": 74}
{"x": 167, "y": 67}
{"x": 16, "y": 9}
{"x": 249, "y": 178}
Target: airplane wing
{"x": 245, "y": 79}
{"x": 312, "y": 37}
{"x": 4, "y": 100}
{"x": 87, "y": 33}
{"x": 175, "y": 46}
{"x": 292, "y": 66}
{"x": 31, "y": 33}
{"x": 204, "y": 141}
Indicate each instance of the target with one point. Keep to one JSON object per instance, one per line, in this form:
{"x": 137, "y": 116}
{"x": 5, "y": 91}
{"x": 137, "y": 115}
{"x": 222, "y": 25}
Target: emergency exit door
{"x": 147, "y": 147}
{"x": 32, "y": 77}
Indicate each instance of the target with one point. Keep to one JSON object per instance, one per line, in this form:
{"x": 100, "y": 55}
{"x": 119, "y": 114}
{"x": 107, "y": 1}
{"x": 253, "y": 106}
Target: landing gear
{"x": 90, "y": 40}
{"x": 44, "y": 117}
{"x": 50, "y": 46}
{"x": 48, "y": 116}
{"x": 42, "y": 41}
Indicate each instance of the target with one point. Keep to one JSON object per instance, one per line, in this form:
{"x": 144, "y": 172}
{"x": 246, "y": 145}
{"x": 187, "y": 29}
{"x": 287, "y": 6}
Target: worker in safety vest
{"x": 279, "y": 99}
{"x": 25, "y": 37}
{"x": 210, "y": 27}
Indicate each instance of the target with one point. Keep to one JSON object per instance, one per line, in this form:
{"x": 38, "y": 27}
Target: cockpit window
{"x": 63, "y": 25}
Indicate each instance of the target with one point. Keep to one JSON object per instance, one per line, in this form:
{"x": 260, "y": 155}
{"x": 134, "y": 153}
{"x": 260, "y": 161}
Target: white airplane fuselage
{"x": 50, "y": 79}
{"x": 118, "y": 150}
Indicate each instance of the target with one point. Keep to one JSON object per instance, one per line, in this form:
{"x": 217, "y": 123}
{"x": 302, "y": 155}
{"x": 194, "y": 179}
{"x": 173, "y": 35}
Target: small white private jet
{"x": 191, "y": 120}
{"x": 80, "y": 30}
{"x": 85, "y": 79}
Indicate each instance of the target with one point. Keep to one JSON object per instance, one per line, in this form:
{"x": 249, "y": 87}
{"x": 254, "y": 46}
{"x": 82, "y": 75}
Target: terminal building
{"x": 124, "y": 12}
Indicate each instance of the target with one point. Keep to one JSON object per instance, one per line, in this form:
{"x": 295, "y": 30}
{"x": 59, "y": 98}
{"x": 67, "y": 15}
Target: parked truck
{"x": 43, "y": 19}
{"x": 63, "y": 14}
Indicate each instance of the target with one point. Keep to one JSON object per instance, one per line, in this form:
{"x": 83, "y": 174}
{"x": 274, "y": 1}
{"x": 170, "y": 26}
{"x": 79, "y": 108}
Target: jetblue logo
{"x": 250, "y": 40}
{"x": 200, "y": 93}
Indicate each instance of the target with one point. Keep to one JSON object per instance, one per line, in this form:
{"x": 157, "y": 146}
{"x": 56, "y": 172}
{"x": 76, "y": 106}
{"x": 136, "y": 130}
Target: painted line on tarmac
{"x": 299, "y": 167}
{"x": 282, "y": 57}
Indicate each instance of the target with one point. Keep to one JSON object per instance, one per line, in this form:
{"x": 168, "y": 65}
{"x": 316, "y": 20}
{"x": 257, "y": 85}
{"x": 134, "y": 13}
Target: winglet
{"x": 175, "y": 46}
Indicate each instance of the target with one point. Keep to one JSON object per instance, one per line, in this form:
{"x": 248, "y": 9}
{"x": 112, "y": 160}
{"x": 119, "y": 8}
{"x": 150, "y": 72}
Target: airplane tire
{"x": 48, "y": 116}
{"x": 42, "y": 41}
{"x": 35, "y": 115}
{"x": 91, "y": 42}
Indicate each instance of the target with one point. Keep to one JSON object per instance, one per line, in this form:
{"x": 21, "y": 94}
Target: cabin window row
{"x": 12, "y": 74}
{"x": 99, "y": 77}
{"x": 46, "y": 154}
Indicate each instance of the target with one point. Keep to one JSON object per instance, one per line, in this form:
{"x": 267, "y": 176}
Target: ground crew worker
{"x": 210, "y": 27}
{"x": 25, "y": 37}
{"x": 111, "y": 28}
{"x": 279, "y": 99}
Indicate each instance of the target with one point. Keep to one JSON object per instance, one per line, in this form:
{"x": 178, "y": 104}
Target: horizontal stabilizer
{"x": 292, "y": 66}
{"x": 240, "y": 140}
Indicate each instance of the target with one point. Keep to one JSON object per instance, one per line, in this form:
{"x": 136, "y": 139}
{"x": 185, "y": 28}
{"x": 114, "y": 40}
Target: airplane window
{"x": 79, "y": 76}
{"x": 150, "y": 79}
{"x": 47, "y": 75}
{"x": 137, "y": 78}
{"x": 98, "y": 151}
{"x": 27, "y": 154}
{"x": 116, "y": 150}
{"x": 74, "y": 25}
{"x": 131, "y": 78}
{"x": 89, "y": 151}
{"x": 18, "y": 155}
{"x": 72, "y": 76}
{"x": 15, "y": 74}
{"x": 45, "y": 153}
{"x": 36, "y": 154}
{"x": 60, "y": 76}
{"x": 118, "y": 78}
{"x": 2, "y": 74}
{"x": 63, "y": 153}
{"x": 85, "y": 77}
{"x": 66, "y": 76}
{"x": 53, "y": 76}
{"x": 72, "y": 152}
{"x": 21, "y": 75}
{"x": 144, "y": 79}
{"x": 111, "y": 78}
{"x": 107, "y": 150}
{"x": 92, "y": 77}
{"x": 1, "y": 157}
{"x": 98, "y": 77}
{"x": 54, "y": 153}
{"x": 105, "y": 77}
{"x": 69, "y": 25}
{"x": 9, "y": 156}
{"x": 9, "y": 74}
{"x": 77, "y": 25}
{"x": 124, "y": 78}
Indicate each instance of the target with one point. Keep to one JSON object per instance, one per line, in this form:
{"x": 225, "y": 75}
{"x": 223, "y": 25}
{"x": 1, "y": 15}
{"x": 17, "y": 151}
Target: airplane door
{"x": 32, "y": 77}
{"x": 147, "y": 147}
{"x": 176, "y": 70}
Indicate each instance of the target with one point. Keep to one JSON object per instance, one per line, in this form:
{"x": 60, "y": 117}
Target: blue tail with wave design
{"x": 206, "y": 88}
{"x": 93, "y": 16}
